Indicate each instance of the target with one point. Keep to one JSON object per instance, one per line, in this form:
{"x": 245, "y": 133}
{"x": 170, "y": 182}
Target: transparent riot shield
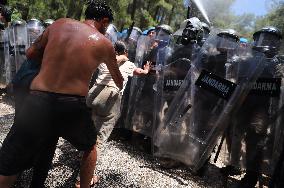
{"x": 111, "y": 33}
{"x": 2, "y": 60}
{"x": 17, "y": 47}
{"x": 34, "y": 30}
{"x": 256, "y": 129}
{"x": 132, "y": 43}
{"x": 133, "y": 84}
{"x": 7, "y": 57}
{"x": 175, "y": 66}
{"x": 199, "y": 113}
{"x": 141, "y": 101}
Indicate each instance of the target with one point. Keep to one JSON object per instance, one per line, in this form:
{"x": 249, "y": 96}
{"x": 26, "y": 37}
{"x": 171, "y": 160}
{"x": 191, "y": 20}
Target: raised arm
{"x": 36, "y": 50}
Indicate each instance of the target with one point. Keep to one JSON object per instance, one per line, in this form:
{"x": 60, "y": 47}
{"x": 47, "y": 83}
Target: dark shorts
{"x": 45, "y": 116}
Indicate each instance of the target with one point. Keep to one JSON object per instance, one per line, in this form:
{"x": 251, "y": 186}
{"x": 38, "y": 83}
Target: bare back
{"x": 72, "y": 51}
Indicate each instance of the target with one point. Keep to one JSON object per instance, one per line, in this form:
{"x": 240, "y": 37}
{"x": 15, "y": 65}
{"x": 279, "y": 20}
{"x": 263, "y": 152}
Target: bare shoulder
{"x": 100, "y": 41}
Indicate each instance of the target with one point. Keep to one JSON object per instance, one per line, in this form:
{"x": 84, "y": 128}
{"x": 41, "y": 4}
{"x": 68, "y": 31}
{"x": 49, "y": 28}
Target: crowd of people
{"x": 80, "y": 79}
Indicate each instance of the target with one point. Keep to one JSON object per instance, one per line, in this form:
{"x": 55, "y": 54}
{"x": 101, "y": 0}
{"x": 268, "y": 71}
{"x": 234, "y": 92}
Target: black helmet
{"x": 230, "y": 34}
{"x": 47, "y": 22}
{"x": 190, "y": 31}
{"x": 267, "y": 40}
{"x": 270, "y": 29}
{"x": 228, "y": 40}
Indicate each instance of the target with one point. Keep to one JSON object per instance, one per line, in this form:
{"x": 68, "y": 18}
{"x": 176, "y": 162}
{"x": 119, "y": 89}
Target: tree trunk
{"x": 171, "y": 15}
{"x": 70, "y": 10}
{"x": 157, "y": 13}
{"x": 133, "y": 9}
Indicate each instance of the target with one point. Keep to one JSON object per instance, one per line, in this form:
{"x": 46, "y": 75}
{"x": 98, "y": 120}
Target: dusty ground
{"x": 124, "y": 165}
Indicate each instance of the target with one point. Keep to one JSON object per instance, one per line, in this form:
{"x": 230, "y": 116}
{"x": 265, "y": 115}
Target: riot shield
{"x": 2, "y": 60}
{"x": 17, "y": 45}
{"x": 132, "y": 43}
{"x": 256, "y": 129}
{"x": 198, "y": 115}
{"x": 111, "y": 33}
{"x": 34, "y": 29}
{"x": 15, "y": 48}
{"x": 133, "y": 84}
{"x": 175, "y": 66}
{"x": 141, "y": 101}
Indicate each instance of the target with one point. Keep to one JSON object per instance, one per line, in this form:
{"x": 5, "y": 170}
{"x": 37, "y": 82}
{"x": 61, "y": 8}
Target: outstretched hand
{"x": 147, "y": 66}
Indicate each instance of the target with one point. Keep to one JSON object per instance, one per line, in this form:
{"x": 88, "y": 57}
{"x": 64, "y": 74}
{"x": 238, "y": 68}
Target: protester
{"x": 105, "y": 98}
{"x": 57, "y": 97}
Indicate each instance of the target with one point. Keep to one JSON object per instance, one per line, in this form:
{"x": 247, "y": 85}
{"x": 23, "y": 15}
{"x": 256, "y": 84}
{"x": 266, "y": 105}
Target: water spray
{"x": 200, "y": 6}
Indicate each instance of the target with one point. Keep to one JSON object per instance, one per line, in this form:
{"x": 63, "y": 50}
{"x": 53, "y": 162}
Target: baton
{"x": 219, "y": 147}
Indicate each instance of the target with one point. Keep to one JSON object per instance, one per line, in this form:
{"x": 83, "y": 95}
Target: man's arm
{"x": 36, "y": 50}
{"x": 111, "y": 63}
{"x": 145, "y": 70}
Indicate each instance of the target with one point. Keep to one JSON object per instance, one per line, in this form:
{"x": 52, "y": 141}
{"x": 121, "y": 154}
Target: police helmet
{"x": 228, "y": 39}
{"x": 47, "y": 22}
{"x": 267, "y": 40}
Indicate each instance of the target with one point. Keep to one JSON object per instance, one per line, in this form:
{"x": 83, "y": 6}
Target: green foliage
{"x": 147, "y": 13}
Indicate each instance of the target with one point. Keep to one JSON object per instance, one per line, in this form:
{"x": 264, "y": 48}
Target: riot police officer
{"x": 176, "y": 62}
{"x": 268, "y": 41}
{"x": 189, "y": 34}
{"x": 254, "y": 122}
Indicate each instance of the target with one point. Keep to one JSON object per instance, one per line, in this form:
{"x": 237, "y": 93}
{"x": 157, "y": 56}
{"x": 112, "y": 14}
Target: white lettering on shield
{"x": 264, "y": 86}
{"x": 215, "y": 84}
{"x": 174, "y": 83}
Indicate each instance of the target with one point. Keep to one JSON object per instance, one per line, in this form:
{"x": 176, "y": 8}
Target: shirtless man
{"x": 70, "y": 51}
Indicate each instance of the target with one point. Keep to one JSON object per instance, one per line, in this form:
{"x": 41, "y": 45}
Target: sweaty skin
{"x": 70, "y": 51}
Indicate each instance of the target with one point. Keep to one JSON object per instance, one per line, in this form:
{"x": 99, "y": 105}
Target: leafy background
{"x": 147, "y": 13}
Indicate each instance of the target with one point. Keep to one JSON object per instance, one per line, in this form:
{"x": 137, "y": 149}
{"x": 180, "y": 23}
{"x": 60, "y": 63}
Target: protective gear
{"x": 268, "y": 40}
{"x": 259, "y": 128}
{"x": 174, "y": 63}
{"x": 197, "y": 117}
{"x": 139, "y": 115}
{"x": 147, "y": 31}
{"x": 35, "y": 29}
{"x": 135, "y": 34}
{"x": 190, "y": 31}
{"x": 2, "y": 59}
{"x": 111, "y": 33}
{"x": 229, "y": 40}
{"x": 165, "y": 28}
{"x": 132, "y": 42}
{"x": 47, "y": 22}
{"x": 15, "y": 48}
